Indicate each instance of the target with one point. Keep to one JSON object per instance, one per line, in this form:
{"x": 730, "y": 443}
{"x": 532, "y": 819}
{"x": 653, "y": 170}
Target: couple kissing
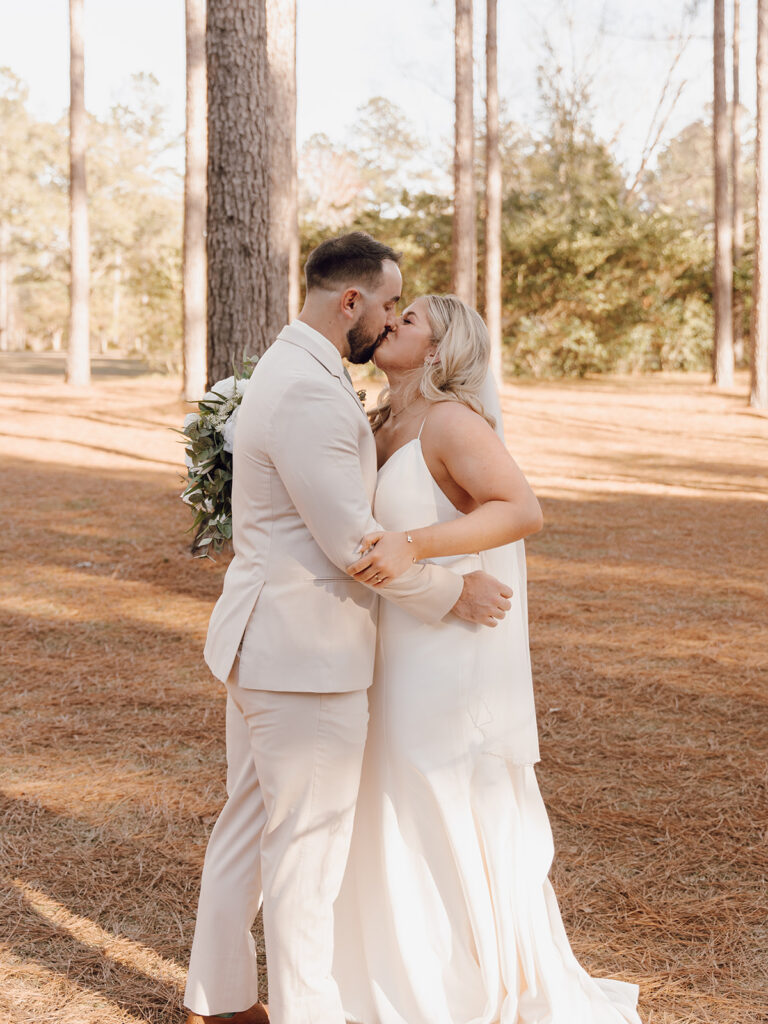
{"x": 372, "y": 635}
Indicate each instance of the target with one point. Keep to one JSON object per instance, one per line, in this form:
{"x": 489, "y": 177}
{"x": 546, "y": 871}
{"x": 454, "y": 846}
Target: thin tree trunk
{"x": 248, "y": 255}
{"x": 464, "y": 248}
{"x": 736, "y": 176}
{"x": 117, "y": 280}
{"x": 284, "y": 190}
{"x": 723, "y": 270}
{"x": 758, "y": 398}
{"x": 194, "y": 274}
{"x": 5, "y": 297}
{"x": 78, "y": 351}
{"x": 492, "y": 191}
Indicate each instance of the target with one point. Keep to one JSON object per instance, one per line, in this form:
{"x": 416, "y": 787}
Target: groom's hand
{"x": 484, "y": 599}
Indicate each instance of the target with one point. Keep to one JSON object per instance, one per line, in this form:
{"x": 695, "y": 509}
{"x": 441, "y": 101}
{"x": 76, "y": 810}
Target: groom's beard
{"x": 361, "y": 344}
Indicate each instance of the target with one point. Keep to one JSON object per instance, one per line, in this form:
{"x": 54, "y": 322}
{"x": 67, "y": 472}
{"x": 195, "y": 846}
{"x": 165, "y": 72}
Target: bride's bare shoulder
{"x": 455, "y": 417}
{"x": 452, "y": 428}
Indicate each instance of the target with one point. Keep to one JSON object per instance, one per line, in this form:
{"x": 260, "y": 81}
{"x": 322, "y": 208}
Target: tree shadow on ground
{"x": 54, "y": 364}
{"x": 648, "y": 669}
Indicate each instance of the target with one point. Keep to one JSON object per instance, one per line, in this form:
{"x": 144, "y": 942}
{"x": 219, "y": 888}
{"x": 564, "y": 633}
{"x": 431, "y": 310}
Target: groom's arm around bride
{"x": 304, "y": 478}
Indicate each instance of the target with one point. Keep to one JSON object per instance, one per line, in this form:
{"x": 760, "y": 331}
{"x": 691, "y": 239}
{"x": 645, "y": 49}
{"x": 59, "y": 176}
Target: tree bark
{"x": 758, "y": 398}
{"x": 117, "y": 282}
{"x": 284, "y": 188}
{"x": 492, "y": 191}
{"x": 251, "y": 176}
{"x": 78, "y": 350}
{"x": 195, "y": 151}
{"x": 723, "y": 269}
{"x": 737, "y": 184}
{"x": 5, "y": 283}
{"x": 464, "y": 243}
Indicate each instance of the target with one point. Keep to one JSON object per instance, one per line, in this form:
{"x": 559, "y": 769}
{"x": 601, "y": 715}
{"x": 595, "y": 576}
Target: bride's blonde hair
{"x": 459, "y": 367}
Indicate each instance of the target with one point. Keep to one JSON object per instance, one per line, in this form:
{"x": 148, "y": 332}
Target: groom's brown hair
{"x": 356, "y": 257}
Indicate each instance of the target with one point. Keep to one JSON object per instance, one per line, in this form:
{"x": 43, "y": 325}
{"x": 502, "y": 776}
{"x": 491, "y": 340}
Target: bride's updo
{"x": 460, "y": 365}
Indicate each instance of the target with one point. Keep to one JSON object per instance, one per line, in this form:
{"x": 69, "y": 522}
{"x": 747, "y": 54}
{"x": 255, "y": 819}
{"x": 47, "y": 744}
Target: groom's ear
{"x": 349, "y": 301}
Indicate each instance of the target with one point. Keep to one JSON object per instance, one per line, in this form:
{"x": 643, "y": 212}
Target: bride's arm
{"x": 462, "y": 445}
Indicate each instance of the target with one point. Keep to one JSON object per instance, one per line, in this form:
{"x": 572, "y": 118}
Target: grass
{"x": 648, "y": 594}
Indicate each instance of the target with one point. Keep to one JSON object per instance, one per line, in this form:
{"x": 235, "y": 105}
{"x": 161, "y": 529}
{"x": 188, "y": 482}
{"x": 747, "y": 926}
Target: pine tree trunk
{"x": 723, "y": 271}
{"x": 194, "y": 272}
{"x": 284, "y": 191}
{"x": 251, "y": 176}
{"x": 5, "y": 284}
{"x": 737, "y": 182}
{"x": 464, "y": 248}
{"x": 492, "y": 191}
{"x": 78, "y": 351}
{"x": 758, "y": 398}
{"x": 117, "y": 283}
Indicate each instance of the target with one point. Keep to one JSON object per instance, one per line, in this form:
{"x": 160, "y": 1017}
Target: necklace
{"x": 399, "y": 412}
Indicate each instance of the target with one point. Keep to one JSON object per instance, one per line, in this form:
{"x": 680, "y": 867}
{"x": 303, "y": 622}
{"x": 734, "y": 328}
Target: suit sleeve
{"x": 312, "y": 442}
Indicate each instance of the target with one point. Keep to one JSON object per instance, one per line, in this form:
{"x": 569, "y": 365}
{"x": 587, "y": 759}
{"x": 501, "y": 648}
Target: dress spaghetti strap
{"x": 418, "y": 436}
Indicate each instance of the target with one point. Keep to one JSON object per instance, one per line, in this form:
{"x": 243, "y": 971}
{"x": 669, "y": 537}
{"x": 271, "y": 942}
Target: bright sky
{"x": 401, "y": 49}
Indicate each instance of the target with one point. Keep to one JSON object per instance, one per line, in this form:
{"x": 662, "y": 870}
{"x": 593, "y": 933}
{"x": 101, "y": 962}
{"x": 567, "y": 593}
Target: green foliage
{"x": 33, "y": 213}
{"x": 597, "y": 276}
{"x": 682, "y": 182}
{"x": 593, "y": 279}
{"x": 615, "y": 289}
{"x": 136, "y": 228}
{"x": 135, "y": 220}
{"x": 208, "y": 453}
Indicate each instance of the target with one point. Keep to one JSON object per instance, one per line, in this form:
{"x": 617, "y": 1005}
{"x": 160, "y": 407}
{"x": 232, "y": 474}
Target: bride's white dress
{"x": 446, "y": 914}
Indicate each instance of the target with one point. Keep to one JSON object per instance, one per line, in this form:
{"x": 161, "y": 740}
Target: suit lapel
{"x": 350, "y": 387}
{"x": 326, "y": 354}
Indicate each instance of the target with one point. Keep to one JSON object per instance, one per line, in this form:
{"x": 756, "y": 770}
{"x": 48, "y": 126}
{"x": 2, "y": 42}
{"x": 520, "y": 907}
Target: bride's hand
{"x": 385, "y": 557}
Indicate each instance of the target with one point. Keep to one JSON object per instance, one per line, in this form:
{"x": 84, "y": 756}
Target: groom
{"x": 293, "y": 638}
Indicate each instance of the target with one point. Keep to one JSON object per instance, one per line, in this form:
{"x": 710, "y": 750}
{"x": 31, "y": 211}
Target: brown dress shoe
{"x": 256, "y": 1015}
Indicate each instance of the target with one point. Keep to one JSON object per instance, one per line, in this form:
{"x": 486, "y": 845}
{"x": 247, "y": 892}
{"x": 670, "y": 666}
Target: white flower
{"x": 228, "y": 431}
{"x": 191, "y": 417}
{"x": 221, "y": 389}
{"x": 241, "y": 385}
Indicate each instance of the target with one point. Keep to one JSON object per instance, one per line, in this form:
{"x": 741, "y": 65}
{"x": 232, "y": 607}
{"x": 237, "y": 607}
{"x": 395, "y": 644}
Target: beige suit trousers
{"x": 293, "y": 770}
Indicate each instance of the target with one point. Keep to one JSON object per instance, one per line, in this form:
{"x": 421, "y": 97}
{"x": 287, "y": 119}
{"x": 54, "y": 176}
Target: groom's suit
{"x": 294, "y": 638}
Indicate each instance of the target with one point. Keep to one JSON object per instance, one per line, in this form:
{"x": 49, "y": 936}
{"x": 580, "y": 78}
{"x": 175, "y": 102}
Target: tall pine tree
{"x": 251, "y": 168}
{"x": 464, "y": 247}
{"x": 759, "y": 334}
{"x": 78, "y": 352}
{"x": 492, "y": 190}
{"x": 723, "y": 270}
{"x": 194, "y": 275}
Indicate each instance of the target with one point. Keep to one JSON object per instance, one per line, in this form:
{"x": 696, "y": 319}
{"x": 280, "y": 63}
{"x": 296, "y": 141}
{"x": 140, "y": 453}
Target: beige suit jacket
{"x": 304, "y": 477}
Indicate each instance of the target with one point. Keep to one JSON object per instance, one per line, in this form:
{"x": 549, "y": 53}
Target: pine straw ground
{"x": 648, "y": 627}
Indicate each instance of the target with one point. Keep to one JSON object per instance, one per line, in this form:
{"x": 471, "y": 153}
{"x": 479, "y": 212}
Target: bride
{"x": 446, "y": 914}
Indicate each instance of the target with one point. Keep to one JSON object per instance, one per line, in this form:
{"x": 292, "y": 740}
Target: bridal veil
{"x": 504, "y": 707}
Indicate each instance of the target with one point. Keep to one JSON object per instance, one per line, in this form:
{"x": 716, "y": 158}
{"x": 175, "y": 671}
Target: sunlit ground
{"x": 648, "y": 607}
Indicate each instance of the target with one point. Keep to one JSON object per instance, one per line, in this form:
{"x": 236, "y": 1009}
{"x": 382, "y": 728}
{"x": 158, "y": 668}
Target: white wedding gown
{"x": 446, "y": 914}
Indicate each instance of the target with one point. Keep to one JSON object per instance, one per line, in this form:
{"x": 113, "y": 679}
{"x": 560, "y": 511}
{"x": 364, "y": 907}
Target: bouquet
{"x": 209, "y": 434}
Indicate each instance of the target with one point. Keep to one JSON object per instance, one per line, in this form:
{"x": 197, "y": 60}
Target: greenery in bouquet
{"x": 209, "y": 434}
